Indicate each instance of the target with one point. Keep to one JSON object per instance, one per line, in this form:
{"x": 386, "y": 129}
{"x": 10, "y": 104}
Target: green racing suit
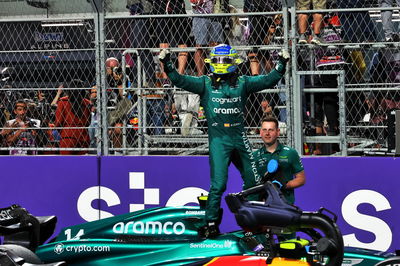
{"x": 224, "y": 107}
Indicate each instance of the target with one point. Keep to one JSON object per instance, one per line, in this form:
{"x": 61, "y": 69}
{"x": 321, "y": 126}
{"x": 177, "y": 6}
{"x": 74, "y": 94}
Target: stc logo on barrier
{"x": 381, "y": 230}
{"x": 136, "y": 182}
{"x": 368, "y": 223}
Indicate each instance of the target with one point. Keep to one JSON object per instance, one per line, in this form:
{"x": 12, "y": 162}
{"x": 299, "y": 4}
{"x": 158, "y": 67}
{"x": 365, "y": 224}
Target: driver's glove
{"x": 284, "y": 57}
{"x": 165, "y": 58}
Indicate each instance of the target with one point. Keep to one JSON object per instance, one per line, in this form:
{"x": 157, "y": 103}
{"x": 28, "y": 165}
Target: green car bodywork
{"x": 152, "y": 237}
{"x": 158, "y": 236}
{"x": 364, "y": 257}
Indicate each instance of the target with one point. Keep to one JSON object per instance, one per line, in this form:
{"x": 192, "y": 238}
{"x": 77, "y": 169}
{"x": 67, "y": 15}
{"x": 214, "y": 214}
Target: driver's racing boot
{"x": 210, "y": 230}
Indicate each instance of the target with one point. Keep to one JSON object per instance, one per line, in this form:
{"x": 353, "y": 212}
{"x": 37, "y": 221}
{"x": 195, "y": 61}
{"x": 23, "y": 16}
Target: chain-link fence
{"x": 352, "y": 114}
{"x": 84, "y": 77}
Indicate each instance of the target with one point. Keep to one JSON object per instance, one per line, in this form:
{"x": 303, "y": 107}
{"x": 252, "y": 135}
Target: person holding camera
{"x": 118, "y": 101}
{"x": 114, "y": 79}
{"x": 20, "y": 132}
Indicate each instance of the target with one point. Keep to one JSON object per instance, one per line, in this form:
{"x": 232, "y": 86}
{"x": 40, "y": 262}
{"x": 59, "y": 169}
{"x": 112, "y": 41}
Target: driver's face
{"x": 269, "y": 133}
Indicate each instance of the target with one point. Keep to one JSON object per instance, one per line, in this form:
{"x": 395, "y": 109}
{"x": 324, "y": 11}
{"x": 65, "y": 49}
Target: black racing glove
{"x": 165, "y": 58}
{"x": 284, "y": 57}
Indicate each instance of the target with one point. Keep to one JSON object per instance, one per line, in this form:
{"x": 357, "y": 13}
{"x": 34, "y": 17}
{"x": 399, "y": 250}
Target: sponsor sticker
{"x": 61, "y": 248}
{"x": 227, "y": 111}
{"x": 150, "y": 227}
{"x": 196, "y": 212}
{"x": 225, "y": 244}
{"x": 227, "y": 100}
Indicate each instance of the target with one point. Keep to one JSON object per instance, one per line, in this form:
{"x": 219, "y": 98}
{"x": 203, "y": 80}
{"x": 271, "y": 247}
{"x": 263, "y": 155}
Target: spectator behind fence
{"x": 207, "y": 31}
{"x": 260, "y": 35}
{"x": 5, "y": 131}
{"x": 114, "y": 79}
{"x": 20, "y": 132}
{"x": 118, "y": 102}
{"x": 94, "y": 119}
{"x": 172, "y": 31}
{"x": 73, "y": 114}
{"x": 172, "y": 122}
{"x": 141, "y": 37}
{"x": 388, "y": 28}
{"x": 176, "y": 31}
{"x": 3, "y": 111}
{"x": 357, "y": 27}
{"x": 238, "y": 34}
{"x": 303, "y": 20}
{"x": 267, "y": 109}
{"x": 3, "y": 134}
{"x": 39, "y": 109}
{"x": 168, "y": 32}
{"x": 9, "y": 97}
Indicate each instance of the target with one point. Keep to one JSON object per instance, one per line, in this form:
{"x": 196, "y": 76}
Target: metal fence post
{"x": 342, "y": 113}
{"x": 296, "y": 111}
{"x": 101, "y": 132}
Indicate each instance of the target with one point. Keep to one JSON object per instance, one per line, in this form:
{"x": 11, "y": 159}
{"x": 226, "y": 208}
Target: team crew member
{"x": 288, "y": 159}
{"x": 223, "y": 95}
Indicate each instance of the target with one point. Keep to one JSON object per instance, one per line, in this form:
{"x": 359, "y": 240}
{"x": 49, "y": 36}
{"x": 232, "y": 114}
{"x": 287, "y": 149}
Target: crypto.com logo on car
{"x": 60, "y": 248}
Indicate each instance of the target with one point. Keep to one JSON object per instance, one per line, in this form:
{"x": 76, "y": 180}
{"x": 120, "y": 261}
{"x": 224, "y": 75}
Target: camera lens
{"x": 117, "y": 70}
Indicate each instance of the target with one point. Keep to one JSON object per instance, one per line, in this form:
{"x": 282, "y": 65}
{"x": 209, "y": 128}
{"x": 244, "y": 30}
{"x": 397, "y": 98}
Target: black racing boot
{"x": 210, "y": 230}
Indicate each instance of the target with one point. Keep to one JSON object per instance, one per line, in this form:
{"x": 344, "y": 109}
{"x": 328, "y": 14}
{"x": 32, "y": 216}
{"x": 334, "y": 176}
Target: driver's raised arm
{"x": 262, "y": 82}
{"x": 188, "y": 83}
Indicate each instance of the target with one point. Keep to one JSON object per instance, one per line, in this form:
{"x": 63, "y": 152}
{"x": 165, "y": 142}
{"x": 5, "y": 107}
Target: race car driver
{"x": 223, "y": 95}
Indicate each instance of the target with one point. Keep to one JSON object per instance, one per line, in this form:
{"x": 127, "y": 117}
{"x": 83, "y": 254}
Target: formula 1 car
{"x": 173, "y": 236}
